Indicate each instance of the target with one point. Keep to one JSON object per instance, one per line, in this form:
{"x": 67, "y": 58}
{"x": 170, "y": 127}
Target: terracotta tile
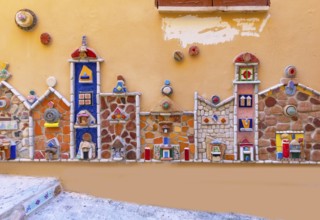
{"x": 53, "y": 130}
{"x": 229, "y": 157}
{"x": 49, "y": 136}
{"x": 66, "y": 129}
{"x": 184, "y": 129}
{"x": 183, "y": 139}
{"x": 183, "y": 145}
{"x": 37, "y": 129}
{"x": 64, "y": 147}
{"x": 36, "y": 115}
{"x": 190, "y": 123}
{"x": 149, "y": 135}
{"x": 118, "y": 129}
{"x": 66, "y": 139}
{"x": 158, "y": 140}
{"x": 191, "y": 147}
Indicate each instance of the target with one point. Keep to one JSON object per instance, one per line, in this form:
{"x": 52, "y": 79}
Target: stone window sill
{"x": 185, "y": 9}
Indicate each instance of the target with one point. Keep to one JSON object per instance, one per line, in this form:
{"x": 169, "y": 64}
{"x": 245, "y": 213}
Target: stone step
{"x": 20, "y": 195}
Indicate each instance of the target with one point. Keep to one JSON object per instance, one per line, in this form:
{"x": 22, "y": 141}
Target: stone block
{"x": 229, "y": 157}
{"x": 270, "y": 120}
{"x": 276, "y": 110}
{"x": 261, "y": 105}
{"x": 292, "y": 101}
{"x": 297, "y": 126}
{"x": 315, "y": 101}
{"x": 309, "y": 127}
{"x": 316, "y": 122}
{"x": 283, "y": 127}
{"x": 264, "y": 143}
{"x": 270, "y": 101}
{"x": 304, "y": 107}
{"x": 316, "y": 135}
{"x": 315, "y": 155}
{"x": 302, "y": 96}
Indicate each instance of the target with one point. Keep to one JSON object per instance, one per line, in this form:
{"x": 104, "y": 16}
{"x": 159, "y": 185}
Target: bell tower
{"x": 246, "y": 85}
{"x": 85, "y": 105}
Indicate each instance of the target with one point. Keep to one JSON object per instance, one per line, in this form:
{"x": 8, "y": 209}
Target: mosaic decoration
{"x": 84, "y": 52}
{"x": 84, "y": 118}
{"x": 166, "y": 153}
{"x": 120, "y": 87}
{"x": 194, "y": 51}
{"x": 4, "y": 74}
{"x": 118, "y": 149}
{"x": 32, "y": 98}
{"x": 245, "y": 124}
{"x": 54, "y": 107}
{"x": 246, "y": 74}
{"x": 118, "y": 116}
{"x": 215, "y": 99}
{"x": 26, "y": 19}
{"x": 4, "y": 103}
{"x": 41, "y": 199}
{"x": 245, "y": 101}
{"x": 290, "y": 110}
{"x": 207, "y": 120}
{"x": 51, "y": 116}
{"x": 167, "y": 89}
{"x": 290, "y": 71}
{"x": 45, "y": 38}
{"x": 87, "y": 148}
{"x": 246, "y": 150}
{"x": 290, "y": 88}
{"x": 52, "y": 149}
{"x": 51, "y": 81}
{"x": 280, "y": 123}
{"x": 178, "y": 56}
{"x": 85, "y": 75}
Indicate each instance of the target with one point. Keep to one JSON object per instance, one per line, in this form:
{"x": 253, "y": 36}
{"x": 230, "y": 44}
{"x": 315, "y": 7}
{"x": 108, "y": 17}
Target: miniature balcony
{"x": 197, "y": 6}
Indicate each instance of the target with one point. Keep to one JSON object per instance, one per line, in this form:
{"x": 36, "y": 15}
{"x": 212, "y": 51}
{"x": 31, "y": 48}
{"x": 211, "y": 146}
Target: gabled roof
{"x": 281, "y": 84}
{"x": 16, "y": 93}
{"x": 46, "y": 94}
{"x": 213, "y": 105}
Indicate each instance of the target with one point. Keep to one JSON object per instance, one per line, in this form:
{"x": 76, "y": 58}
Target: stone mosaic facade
{"x": 118, "y": 126}
{"x": 220, "y": 128}
{"x": 14, "y": 121}
{"x": 181, "y": 132}
{"x": 42, "y": 134}
{"x": 272, "y": 119}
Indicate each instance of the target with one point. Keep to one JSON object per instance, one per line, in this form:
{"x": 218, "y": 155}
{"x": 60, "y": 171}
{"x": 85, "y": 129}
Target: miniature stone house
{"x": 51, "y": 119}
{"x": 14, "y": 123}
{"x": 302, "y": 123}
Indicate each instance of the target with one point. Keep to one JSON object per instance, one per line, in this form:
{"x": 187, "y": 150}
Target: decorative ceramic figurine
{"x": 120, "y": 87}
{"x": 26, "y": 19}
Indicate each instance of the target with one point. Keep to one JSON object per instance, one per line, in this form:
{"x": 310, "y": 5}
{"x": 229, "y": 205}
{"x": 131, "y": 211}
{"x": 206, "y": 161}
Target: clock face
{"x": 246, "y": 74}
{"x": 290, "y": 110}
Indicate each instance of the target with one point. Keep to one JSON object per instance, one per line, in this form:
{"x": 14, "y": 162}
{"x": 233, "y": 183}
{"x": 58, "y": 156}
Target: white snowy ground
{"x": 74, "y": 206}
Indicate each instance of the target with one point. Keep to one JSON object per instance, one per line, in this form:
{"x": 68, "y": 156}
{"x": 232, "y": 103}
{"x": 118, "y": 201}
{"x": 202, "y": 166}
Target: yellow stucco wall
{"x": 130, "y": 36}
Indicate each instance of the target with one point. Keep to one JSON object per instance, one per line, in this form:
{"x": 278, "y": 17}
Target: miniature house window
{"x": 85, "y": 75}
{"x": 245, "y": 124}
{"x": 245, "y": 100}
{"x": 84, "y": 118}
{"x": 85, "y": 98}
{"x": 246, "y": 74}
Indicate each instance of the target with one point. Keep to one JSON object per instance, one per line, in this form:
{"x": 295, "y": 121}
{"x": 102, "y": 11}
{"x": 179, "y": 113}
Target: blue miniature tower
{"x": 85, "y": 105}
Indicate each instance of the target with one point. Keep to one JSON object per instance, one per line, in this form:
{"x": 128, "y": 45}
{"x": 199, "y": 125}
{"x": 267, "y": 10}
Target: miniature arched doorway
{"x": 86, "y": 141}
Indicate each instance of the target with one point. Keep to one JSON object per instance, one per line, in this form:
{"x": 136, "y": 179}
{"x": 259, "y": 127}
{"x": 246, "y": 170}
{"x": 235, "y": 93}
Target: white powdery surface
{"x": 15, "y": 189}
{"x": 76, "y": 206}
